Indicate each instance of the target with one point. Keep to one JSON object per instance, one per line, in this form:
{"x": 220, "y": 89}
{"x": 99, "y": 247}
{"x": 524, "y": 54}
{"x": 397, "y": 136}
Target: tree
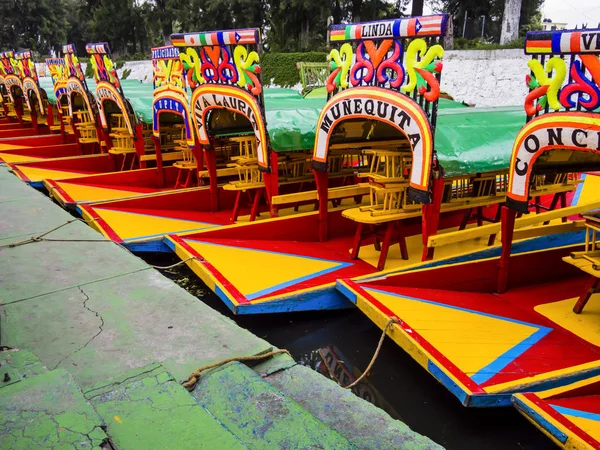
{"x": 510, "y": 21}
{"x": 417, "y": 8}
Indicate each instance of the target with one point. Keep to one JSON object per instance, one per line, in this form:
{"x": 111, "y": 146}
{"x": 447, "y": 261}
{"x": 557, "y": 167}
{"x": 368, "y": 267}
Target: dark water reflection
{"x": 340, "y": 344}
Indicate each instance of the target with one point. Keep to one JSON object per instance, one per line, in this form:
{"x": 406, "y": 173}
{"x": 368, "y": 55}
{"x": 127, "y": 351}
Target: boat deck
{"x": 286, "y": 268}
{"x": 570, "y": 416}
{"x": 38, "y": 153}
{"x": 35, "y": 172}
{"x": 481, "y": 345}
{"x": 111, "y": 186}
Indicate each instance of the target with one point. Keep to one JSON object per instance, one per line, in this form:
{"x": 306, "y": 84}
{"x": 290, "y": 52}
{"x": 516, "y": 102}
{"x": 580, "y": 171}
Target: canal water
{"x": 340, "y": 344}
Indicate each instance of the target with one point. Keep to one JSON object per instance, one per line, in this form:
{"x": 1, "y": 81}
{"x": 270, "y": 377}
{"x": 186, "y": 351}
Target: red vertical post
{"x": 210, "y": 157}
{"x": 159, "y": 164}
{"x": 50, "y": 115}
{"x": 138, "y": 143}
{"x": 34, "y": 121}
{"x": 431, "y": 217}
{"x": 322, "y": 180}
{"x": 272, "y": 182}
{"x": 507, "y": 227}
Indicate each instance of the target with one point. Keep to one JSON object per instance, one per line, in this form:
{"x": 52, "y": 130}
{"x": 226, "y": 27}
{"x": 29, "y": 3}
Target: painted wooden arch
{"x": 389, "y": 107}
{"x": 105, "y": 91}
{"x": 30, "y": 85}
{"x": 76, "y": 87}
{"x": 212, "y": 96}
{"x": 578, "y": 131}
{"x": 170, "y": 101}
{"x": 10, "y": 82}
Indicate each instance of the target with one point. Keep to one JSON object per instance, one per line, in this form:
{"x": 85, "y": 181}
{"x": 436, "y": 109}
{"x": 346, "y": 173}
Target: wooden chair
{"x": 250, "y": 179}
{"x": 187, "y": 165}
{"x": 86, "y": 128}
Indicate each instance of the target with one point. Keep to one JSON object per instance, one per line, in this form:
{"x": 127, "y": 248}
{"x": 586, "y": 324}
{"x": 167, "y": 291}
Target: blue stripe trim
{"x": 343, "y": 289}
{"x": 510, "y": 355}
{"x": 556, "y": 42}
{"x": 447, "y": 382}
{"x": 576, "y": 413}
{"x": 577, "y": 194}
{"x": 541, "y": 421}
{"x": 339, "y": 265}
{"x": 162, "y": 235}
{"x": 220, "y": 38}
{"x": 285, "y": 284}
{"x": 501, "y": 361}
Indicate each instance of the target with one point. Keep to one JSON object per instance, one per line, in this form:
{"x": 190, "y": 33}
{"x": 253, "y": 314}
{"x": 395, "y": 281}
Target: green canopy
{"x": 467, "y": 140}
{"x": 471, "y": 140}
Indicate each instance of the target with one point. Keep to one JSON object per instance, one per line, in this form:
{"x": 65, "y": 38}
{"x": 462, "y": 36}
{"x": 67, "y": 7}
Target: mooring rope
{"x": 190, "y": 384}
{"x": 172, "y": 266}
{"x": 41, "y": 237}
{"x": 389, "y": 323}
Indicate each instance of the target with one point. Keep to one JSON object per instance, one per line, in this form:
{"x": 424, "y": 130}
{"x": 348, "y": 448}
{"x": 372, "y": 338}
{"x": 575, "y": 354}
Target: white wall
{"x": 486, "y": 77}
{"x": 479, "y": 77}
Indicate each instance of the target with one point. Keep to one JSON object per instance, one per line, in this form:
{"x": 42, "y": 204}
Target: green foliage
{"x": 281, "y": 67}
{"x": 89, "y": 71}
{"x": 125, "y": 74}
{"x": 38, "y": 25}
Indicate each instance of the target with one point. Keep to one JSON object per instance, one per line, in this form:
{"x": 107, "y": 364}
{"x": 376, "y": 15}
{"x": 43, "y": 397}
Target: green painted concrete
{"x": 149, "y": 409}
{"x": 102, "y": 314}
{"x": 48, "y": 411}
{"x": 260, "y": 415}
{"x": 365, "y": 425}
{"x": 19, "y": 365}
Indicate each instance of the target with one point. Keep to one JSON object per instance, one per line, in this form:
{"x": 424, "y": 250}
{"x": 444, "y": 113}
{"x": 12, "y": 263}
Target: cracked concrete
{"x": 104, "y": 316}
{"x": 48, "y": 411}
{"x": 100, "y": 327}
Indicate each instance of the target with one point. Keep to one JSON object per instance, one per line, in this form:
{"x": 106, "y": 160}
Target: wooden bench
{"x": 588, "y": 261}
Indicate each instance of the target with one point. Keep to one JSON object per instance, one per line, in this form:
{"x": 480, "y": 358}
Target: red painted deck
{"x": 570, "y": 416}
{"x": 483, "y": 345}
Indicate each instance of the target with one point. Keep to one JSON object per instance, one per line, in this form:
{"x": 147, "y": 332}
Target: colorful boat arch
{"x": 108, "y": 86}
{"x": 577, "y": 131}
{"x": 390, "y": 107}
{"x": 169, "y": 90}
{"x": 56, "y": 67}
{"x": 222, "y": 69}
{"x": 75, "y": 84}
{"x": 30, "y": 81}
{"x": 209, "y": 97}
{"x": 11, "y": 81}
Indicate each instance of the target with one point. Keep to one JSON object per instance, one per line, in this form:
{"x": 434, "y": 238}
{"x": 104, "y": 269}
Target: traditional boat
{"x": 25, "y": 104}
{"x": 242, "y": 156}
{"x": 376, "y": 135}
{"x": 520, "y": 318}
{"x": 107, "y": 133}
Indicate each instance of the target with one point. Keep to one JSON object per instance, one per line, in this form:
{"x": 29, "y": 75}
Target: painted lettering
{"x": 555, "y": 136}
{"x": 521, "y": 171}
{"x": 575, "y": 140}
{"x": 532, "y": 143}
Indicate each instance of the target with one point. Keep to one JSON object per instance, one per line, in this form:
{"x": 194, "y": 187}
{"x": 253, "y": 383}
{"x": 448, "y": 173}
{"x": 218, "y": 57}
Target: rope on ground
{"x": 389, "y": 323}
{"x": 41, "y": 237}
{"x": 172, "y": 266}
{"x": 190, "y": 384}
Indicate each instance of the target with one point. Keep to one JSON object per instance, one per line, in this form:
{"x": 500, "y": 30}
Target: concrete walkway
{"x": 106, "y": 325}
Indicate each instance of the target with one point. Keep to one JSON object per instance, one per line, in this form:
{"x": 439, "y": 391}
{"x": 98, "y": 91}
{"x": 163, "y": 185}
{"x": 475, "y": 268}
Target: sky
{"x": 572, "y": 12}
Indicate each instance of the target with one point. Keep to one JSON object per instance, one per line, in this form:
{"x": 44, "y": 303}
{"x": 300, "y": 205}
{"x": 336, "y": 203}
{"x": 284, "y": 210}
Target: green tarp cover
{"x": 474, "y": 140}
{"x": 467, "y": 140}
